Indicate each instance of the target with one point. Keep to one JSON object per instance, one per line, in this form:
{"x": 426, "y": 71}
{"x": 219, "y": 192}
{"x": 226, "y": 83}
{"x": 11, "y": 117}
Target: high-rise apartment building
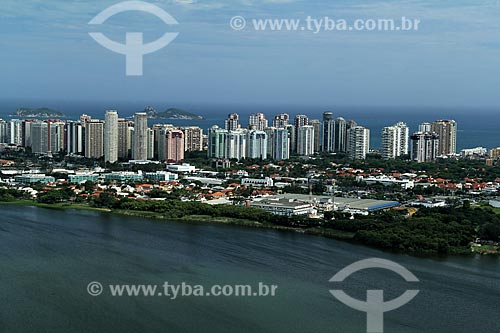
{"x": 257, "y": 121}
{"x": 94, "y": 139}
{"x": 232, "y": 122}
{"x": 111, "y": 137}
{"x": 257, "y": 144}
{"x": 75, "y": 138}
{"x": 171, "y": 145}
{"x": 494, "y": 153}
{"x": 193, "y": 138}
{"x": 340, "y": 135}
{"x": 281, "y": 144}
{"x": 56, "y": 136}
{"x": 140, "y": 151}
{"x": 39, "y": 137}
{"x": 425, "y": 127}
{"x": 217, "y": 142}
{"x": 26, "y": 132}
{"x": 151, "y": 144}
{"x": 293, "y": 137}
{"x": 447, "y": 131}
{"x": 237, "y": 144}
{"x": 317, "y": 134}
{"x": 425, "y": 147}
{"x": 15, "y": 132}
{"x": 124, "y": 139}
{"x": 3, "y": 131}
{"x": 328, "y": 132}
{"x": 395, "y": 141}
{"x": 305, "y": 140}
{"x": 358, "y": 142}
{"x": 300, "y": 121}
{"x": 281, "y": 120}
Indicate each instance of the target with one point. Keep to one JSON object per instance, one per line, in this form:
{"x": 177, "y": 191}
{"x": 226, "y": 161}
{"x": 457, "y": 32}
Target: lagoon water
{"x": 48, "y": 257}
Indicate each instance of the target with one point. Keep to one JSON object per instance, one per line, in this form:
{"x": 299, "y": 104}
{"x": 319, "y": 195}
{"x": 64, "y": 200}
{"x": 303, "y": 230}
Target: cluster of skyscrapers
{"x": 305, "y": 137}
{"x": 284, "y": 136}
{"x": 117, "y": 138}
{"x": 113, "y": 139}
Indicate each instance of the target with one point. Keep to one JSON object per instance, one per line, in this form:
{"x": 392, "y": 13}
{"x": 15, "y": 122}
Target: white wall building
{"x": 305, "y": 140}
{"x": 395, "y": 141}
{"x": 111, "y": 137}
{"x": 358, "y": 142}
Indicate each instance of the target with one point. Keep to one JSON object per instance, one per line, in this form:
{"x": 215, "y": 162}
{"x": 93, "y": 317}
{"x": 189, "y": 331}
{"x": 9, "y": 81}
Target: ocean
{"x": 476, "y": 127}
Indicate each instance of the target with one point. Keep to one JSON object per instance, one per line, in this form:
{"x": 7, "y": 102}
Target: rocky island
{"x": 172, "y": 114}
{"x": 37, "y": 113}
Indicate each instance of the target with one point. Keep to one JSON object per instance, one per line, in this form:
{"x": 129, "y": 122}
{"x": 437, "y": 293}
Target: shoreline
{"x": 317, "y": 231}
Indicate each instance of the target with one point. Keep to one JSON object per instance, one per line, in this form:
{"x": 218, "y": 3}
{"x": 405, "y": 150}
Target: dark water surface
{"x": 47, "y": 259}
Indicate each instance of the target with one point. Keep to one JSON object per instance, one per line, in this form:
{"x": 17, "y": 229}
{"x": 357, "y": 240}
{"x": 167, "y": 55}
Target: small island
{"x": 172, "y": 114}
{"x": 37, "y": 113}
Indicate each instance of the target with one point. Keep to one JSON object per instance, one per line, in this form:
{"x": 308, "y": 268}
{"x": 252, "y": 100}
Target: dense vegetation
{"x": 9, "y": 195}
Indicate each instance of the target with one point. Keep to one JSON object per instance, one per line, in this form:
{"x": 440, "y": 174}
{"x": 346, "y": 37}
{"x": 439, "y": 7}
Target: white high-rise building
{"x": 15, "y": 132}
{"x": 257, "y": 144}
{"x": 270, "y": 140}
{"x": 358, "y": 142}
{"x": 111, "y": 137}
{"x": 328, "y": 132}
{"x": 237, "y": 144}
{"x": 340, "y": 135}
{"x": 140, "y": 151}
{"x": 74, "y": 138}
{"x": 257, "y": 121}
{"x": 217, "y": 142}
{"x": 281, "y": 144}
{"x": 56, "y": 136}
{"x": 305, "y": 140}
{"x": 395, "y": 141}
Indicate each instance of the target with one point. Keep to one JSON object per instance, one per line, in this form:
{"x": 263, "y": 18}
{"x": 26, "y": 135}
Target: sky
{"x": 453, "y": 60}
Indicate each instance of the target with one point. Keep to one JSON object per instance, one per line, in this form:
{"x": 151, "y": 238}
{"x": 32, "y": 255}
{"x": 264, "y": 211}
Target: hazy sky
{"x": 453, "y": 60}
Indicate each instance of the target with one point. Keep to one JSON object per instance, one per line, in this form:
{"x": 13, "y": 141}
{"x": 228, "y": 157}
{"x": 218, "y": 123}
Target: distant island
{"x": 37, "y": 113}
{"x": 172, "y": 114}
